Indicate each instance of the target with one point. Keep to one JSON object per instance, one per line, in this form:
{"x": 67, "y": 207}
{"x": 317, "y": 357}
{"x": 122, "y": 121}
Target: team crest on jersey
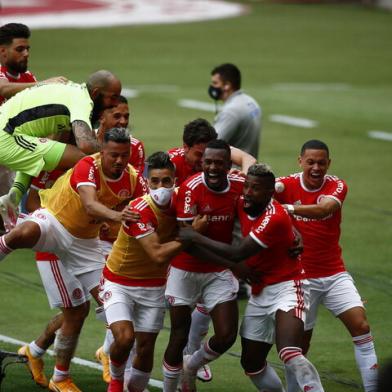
{"x": 77, "y": 294}
{"x": 43, "y": 139}
{"x": 124, "y": 193}
{"x": 321, "y": 197}
{"x": 297, "y": 203}
{"x": 205, "y": 209}
{"x": 41, "y": 216}
{"x": 107, "y": 295}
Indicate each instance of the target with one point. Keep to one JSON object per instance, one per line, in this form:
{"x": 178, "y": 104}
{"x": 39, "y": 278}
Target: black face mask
{"x": 215, "y": 92}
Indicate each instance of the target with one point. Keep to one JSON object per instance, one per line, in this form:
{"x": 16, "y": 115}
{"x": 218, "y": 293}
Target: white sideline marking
{"x": 381, "y": 135}
{"x": 312, "y": 86}
{"x": 78, "y": 361}
{"x": 193, "y": 104}
{"x": 129, "y": 92}
{"x": 294, "y": 121}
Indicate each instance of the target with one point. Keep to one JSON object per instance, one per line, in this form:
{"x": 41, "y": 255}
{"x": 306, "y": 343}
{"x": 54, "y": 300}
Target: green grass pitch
{"x": 285, "y": 52}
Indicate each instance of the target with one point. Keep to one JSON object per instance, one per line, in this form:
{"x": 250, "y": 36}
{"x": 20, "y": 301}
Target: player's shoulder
{"x": 140, "y": 204}
{"x": 176, "y": 153}
{"x": 193, "y": 182}
{"x": 135, "y": 142}
{"x": 236, "y": 178}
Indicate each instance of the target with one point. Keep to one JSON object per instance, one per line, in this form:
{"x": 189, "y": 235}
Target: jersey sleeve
{"x": 138, "y": 156}
{"x": 338, "y": 191}
{"x": 141, "y": 188}
{"x": 268, "y": 232}
{"x": 143, "y": 227}
{"x": 186, "y": 204}
{"x": 85, "y": 174}
{"x": 3, "y": 76}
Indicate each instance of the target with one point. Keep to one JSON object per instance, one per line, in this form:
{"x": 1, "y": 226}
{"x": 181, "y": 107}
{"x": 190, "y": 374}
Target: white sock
{"x": 60, "y": 375}
{"x": 4, "y": 248}
{"x": 201, "y": 357}
{"x": 138, "y": 380}
{"x": 117, "y": 370}
{"x": 305, "y": 373}
{"x": 171, "y": 375}
{"x": 266, "y": 379}
{"x": 199, "y": 329}
{"x": 366, "y": 358}
{"x": 36, "y": 351}
{"x": 109, "y": 339}
{"x": 291, "y": 381}
{"x": 128, "y": 366}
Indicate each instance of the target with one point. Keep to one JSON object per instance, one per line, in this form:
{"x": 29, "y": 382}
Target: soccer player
{"x": 135, "y": 276}
{"x": 68, "y": 225}
{"x": 239, "y": 120}
{"x": 187, "y": 160}
{"x": 278, "y": 304}
{"x": 118, "y": 116}
{"x": 315, "y": 199}
{"x": 213, "y": 192}
{"x": 14, "y": 56}
{"x": 35, "y": 113}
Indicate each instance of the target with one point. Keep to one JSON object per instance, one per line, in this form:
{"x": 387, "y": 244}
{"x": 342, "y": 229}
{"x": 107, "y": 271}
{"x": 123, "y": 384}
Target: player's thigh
{"x": 62, "y": 288}
{"x": 70, "y": 155}
{"x": 218, "y": 287}
{"x": 316, "y": 295}
{"x": 341, "y": 294}
{"x": 183, "y": 288}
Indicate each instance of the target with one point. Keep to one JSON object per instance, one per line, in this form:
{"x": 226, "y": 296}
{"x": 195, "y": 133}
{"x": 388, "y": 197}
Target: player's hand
{"x": 200, "y": 223}
{"x": 129, "y": 215}
{"x": 238, "y": 172}
{"x": 298, "y": 245}
{"x": 246, "y": 273}
{"x": 55, "y": 79}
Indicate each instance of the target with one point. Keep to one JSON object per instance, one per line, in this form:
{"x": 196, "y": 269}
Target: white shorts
{"x": 63, "y": 288}
{"x": 80, "y": 255}
{"x": 210, "y": 288}
{"x": 337, "y": 293}
{"x": 259, "y": 319}
{"x": 144, "y": 306}
{"x": 106, "y": 248}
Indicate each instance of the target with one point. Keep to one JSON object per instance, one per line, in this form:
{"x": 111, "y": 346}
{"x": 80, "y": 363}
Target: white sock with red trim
{"x": 117, "y": 370}
{"x": 201, "y": 357}
{"x": 138, "y": 380}
{"x": 305, "y": 373}
{"x": 266, "y": 379}
{"x": 171, "y": 375}
{"x": 36, "y": 351}
{"x": 199, "y": 329}
{"x": 4, "y": 248}
{"x": 366, "y": 358}
{"x": 291, "y": 381}
{"x": 109, "y": 339}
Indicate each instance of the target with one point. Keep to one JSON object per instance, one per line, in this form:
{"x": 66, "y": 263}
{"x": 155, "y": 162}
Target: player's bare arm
{"x": 160, "y": 253}
{"x": 247, "y": 248}
{"x": 327, "y": 206}
{"x": 242, "y": 159}
{"x": 88, "y": 197}
{"x": 33, "y": 202}
{"x": 84, "y": 137}
{"x": 9, "y": 89}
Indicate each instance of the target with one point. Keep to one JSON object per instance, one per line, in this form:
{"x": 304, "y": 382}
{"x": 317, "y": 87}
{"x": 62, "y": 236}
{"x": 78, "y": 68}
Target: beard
{"x": 15, "y": 68}
{"x": 97, "y": 110}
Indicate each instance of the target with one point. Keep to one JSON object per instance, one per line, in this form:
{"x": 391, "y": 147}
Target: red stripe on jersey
{"x": 60, "y": 284}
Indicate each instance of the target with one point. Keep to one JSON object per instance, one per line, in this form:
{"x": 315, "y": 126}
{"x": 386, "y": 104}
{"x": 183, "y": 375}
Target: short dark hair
{"x": 10, "y": 31}
{"x": 117, "y": 135}
{"x": 160, "y": 160}
{"x": 229, "y": 73}
{"x": 220, "y": 144}
{"x": 314, "y": 144}
{"x": 262, "y": 170}
{"x": 198, "y": 131}
{"x": 122, "y": 99}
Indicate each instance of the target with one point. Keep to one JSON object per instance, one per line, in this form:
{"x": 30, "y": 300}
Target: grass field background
{"x": 327, "y": 63}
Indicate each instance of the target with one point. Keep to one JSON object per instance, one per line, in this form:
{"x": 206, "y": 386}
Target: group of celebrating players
{"x": 141, "y": 236}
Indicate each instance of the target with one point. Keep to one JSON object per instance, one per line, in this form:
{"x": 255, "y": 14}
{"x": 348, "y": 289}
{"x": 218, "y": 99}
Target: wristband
{"x": 290, "y": 209}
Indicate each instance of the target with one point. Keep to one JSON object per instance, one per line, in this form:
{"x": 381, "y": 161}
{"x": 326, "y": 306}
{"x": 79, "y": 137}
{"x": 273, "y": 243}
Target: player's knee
{"x": 25, "y": 235}
{"x": 145, "y": 350}
{"x": 361, "y": 327}
{"x": 226, "y": 339}
{"x": 124, "y": 338}
{"x": 250, "y": 364}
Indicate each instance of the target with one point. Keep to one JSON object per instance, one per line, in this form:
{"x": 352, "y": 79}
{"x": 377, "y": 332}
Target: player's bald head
{"x": 101, "y": 80}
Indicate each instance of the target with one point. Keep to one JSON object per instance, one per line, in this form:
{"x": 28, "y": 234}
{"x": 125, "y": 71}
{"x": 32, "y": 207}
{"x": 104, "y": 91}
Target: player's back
{"x": 46, "y": 109}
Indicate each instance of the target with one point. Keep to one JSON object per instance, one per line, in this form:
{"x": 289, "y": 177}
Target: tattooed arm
{"x": 84, "y": 137}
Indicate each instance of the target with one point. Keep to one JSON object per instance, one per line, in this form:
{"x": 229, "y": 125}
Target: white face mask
{"x": 162, "y": 196}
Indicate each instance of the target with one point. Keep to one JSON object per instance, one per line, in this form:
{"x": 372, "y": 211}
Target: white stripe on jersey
{"x": 141, "y": 205}
{"x": 195, "y": 182}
